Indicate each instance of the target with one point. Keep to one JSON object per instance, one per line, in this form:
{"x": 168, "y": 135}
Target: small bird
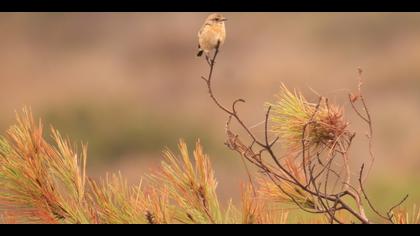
{"x": 211, "y": 34}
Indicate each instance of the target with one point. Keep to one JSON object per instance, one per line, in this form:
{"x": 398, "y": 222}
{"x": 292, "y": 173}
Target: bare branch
{"x": 390, "y": 214}
{"x": 278, "y": 172}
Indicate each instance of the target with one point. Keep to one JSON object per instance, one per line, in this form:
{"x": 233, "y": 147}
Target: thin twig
{"x": 367, "y": 198}
{"x": 310, "y": 121}
{"x": 390, "y": 214}
{"x": 246, "y": 152}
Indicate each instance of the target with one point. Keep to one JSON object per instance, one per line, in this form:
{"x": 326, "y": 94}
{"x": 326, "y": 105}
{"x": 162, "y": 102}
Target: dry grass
{"x": 47, "y": 183}
{"x": 407, "y": 216}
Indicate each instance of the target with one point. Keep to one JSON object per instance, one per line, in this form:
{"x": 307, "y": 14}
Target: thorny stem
{"x": 233, "y": 113}
{"x": 247, "y": 152}
{"x": 311, "y": 120}
{"x": 367, "y": 118}
{"x": 389, "y": 216}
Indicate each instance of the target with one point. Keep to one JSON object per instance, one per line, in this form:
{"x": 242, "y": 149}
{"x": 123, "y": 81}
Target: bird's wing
{"x": 202, "y": 29}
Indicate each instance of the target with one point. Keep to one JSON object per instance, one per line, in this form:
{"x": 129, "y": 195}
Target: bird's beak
{"x": 224, "y": 19}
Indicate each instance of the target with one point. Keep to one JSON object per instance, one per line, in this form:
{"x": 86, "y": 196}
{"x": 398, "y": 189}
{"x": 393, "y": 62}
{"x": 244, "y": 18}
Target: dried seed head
{"x": 295, "y": 119}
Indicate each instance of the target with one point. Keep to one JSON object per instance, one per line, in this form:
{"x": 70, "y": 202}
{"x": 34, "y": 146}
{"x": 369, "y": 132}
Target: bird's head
{"x": 216, "y": 18}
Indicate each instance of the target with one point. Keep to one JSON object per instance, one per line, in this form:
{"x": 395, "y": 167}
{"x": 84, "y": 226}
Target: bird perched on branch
{"x": 211, "y": 34}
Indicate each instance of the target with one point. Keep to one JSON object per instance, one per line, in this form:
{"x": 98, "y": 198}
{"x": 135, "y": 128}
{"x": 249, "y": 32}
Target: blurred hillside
{"x": 129, "y": 83}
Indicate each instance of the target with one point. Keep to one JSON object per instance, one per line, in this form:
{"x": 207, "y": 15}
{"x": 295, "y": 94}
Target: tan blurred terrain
{"x": 129, "y": 83}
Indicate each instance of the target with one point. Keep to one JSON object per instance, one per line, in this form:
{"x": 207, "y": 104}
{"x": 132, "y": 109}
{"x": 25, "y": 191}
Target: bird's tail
{"x": 200, "y": 51}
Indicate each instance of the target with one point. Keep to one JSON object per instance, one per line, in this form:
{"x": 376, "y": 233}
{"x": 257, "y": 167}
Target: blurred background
{"x": 129, "y": 84}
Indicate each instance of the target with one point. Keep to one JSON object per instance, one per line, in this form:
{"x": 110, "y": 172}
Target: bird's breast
{"x": 211, "y": 35}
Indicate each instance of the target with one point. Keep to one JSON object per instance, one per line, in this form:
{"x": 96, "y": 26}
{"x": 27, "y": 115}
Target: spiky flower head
{"x": 295, "y": 119}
